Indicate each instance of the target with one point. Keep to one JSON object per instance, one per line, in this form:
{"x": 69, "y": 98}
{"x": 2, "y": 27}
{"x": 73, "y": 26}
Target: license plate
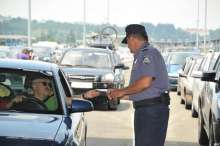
{"x": 87, "y": 85}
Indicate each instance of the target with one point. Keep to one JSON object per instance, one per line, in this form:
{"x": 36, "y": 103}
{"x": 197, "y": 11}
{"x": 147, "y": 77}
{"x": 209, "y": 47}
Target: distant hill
{"x": 70, "y": 32}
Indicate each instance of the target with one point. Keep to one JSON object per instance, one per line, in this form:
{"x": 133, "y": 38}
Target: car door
{"x": 197, "y": 83}
{"x": 209, "y": 88}
{"x": 77, "y": 120}
{"x": 184, "y": 77}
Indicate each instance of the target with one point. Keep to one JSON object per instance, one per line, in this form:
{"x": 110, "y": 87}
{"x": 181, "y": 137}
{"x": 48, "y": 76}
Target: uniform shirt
{"x": 149, "y": 62}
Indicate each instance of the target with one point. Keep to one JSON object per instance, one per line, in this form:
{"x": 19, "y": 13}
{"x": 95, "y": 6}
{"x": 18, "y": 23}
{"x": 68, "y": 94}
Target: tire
{"x": 211, "y": 134}
{"x": 182, "y": 101}
{"x": 187, "y": 104}
{"x": 203, "y": 138}
{"x": 194, "y": 112}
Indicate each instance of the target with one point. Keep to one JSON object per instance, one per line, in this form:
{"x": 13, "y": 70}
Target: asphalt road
{"x": 115, "y": 128}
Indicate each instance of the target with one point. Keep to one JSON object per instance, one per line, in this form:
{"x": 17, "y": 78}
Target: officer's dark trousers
{"x": 150, "y": 125}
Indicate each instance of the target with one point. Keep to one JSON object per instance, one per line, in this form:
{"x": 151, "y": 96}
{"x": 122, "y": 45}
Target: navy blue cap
{"x": 135, "y": 29}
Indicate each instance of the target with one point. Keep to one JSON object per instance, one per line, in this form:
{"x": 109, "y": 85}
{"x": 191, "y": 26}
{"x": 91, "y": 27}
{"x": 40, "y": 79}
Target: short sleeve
{"x": 148, "y": 63}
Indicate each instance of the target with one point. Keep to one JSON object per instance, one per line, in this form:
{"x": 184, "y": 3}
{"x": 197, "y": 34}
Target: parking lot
{"x": 115, "y": 128}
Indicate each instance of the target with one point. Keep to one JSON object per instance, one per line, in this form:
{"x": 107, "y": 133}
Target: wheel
{"x": 187, "y": 104}
{"x": 178, "y": 90}
{"x": 194, "y": 112}
{"x": 211, "y": 134}
{"x": 203, "y": 138}
{"x": 182, "y": 101}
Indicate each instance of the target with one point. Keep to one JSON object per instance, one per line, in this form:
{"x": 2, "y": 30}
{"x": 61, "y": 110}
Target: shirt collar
{"x": 144, "y": 47}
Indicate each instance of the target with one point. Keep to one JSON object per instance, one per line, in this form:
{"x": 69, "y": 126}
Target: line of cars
{"x": 79, "y": 70}
{"x": 198, "y": 87}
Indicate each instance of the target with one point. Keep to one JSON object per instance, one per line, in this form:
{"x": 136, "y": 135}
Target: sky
{"x": 181, "y": 13}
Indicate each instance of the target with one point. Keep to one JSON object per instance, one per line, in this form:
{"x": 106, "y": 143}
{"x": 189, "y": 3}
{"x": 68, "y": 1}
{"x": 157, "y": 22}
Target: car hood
{"x": 28, "y": 129}
{"x": 86, "y": 71}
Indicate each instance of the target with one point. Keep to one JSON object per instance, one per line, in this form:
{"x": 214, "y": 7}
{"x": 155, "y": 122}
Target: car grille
{"x": 173, "y": 80}
{"x": 82, "y": 78}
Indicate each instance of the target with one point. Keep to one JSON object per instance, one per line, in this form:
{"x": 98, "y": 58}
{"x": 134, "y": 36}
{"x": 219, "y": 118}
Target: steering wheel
{"x": 30, "y": 104}
{"x": 6, "y": 91}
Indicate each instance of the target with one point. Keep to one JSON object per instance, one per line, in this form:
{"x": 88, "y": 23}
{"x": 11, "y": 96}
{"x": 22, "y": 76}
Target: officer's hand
{"x": 115, "y": 93}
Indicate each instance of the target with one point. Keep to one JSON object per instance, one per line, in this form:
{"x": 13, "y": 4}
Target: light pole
{"x": 197, "y": 23}
{"x": 84, "y": 23}
{"x": 205, "y": 26}
{"x": 29, "y": 23}
{"x": 108, "y": 11}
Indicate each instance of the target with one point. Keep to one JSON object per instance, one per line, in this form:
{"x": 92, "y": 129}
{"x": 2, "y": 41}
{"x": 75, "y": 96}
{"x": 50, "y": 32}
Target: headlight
{"x": 107, "y": 77}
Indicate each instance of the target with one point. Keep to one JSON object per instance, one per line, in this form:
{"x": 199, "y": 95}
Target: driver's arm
{"x": 17, "y": 99}
{"x": 87, "y": 95}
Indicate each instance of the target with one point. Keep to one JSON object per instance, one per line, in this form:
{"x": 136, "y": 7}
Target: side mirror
{"x": 122, "y": 66}
{"x": 80, "y": 105}
{"x": 208, "y": 76}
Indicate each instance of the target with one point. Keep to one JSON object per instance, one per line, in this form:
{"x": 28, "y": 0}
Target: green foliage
{"x": 71, "y": 32}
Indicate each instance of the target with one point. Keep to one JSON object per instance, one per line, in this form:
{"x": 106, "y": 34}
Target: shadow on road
{"x": 91, "y": 141}
{"x": 180, "y": 143}
{"x": 124, "y": 105}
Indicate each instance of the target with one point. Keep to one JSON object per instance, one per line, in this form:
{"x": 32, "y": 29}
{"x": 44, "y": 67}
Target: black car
{"x": 94, "y": 68}
{"x": 46, "y": 122}
{"x": 209, "y": 107}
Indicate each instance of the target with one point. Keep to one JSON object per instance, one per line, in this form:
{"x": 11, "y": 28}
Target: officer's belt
{"x": 152, "y": 101}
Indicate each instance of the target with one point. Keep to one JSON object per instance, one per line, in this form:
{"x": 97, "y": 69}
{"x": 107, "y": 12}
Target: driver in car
{"x": 43, "y": 94}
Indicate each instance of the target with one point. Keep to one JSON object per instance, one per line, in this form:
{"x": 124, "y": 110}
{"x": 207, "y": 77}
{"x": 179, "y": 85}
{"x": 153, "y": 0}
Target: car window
{"x": 82, "y": 58}
{"x": 197, "y": 64}
{"x": 187, "y": 66}
{"x": 36, "y": 92}
{"x": 65, "y": 84}
{"x": 213, "y": 62}
{"x": 206, "y": 63}
{"x": 179, "y": 58}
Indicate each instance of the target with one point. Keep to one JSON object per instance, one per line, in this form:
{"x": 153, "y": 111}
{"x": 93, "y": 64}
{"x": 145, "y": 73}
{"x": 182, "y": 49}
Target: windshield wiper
{"x": 67, "y": 65}
{"x": 84, "y": 65}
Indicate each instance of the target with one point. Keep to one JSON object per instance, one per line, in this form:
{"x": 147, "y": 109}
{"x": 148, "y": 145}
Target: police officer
{"x": 148, "y": 89}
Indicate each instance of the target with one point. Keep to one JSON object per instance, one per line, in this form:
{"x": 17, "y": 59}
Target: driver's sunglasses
{"x": 44, "y": 83}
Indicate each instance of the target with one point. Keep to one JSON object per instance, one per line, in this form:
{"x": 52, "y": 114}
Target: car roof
{"x": 27, "y": 64}
{"x": 91, "y": 49}
{"x": 184, "y": 52}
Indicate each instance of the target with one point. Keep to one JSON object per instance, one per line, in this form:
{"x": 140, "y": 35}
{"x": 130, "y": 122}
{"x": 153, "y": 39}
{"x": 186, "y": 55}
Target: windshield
{"x": 82, "y": 58}
{"x": 25, "y": 91}
{"x": 43, "y": 51}
{"x": 179, "y": 58}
